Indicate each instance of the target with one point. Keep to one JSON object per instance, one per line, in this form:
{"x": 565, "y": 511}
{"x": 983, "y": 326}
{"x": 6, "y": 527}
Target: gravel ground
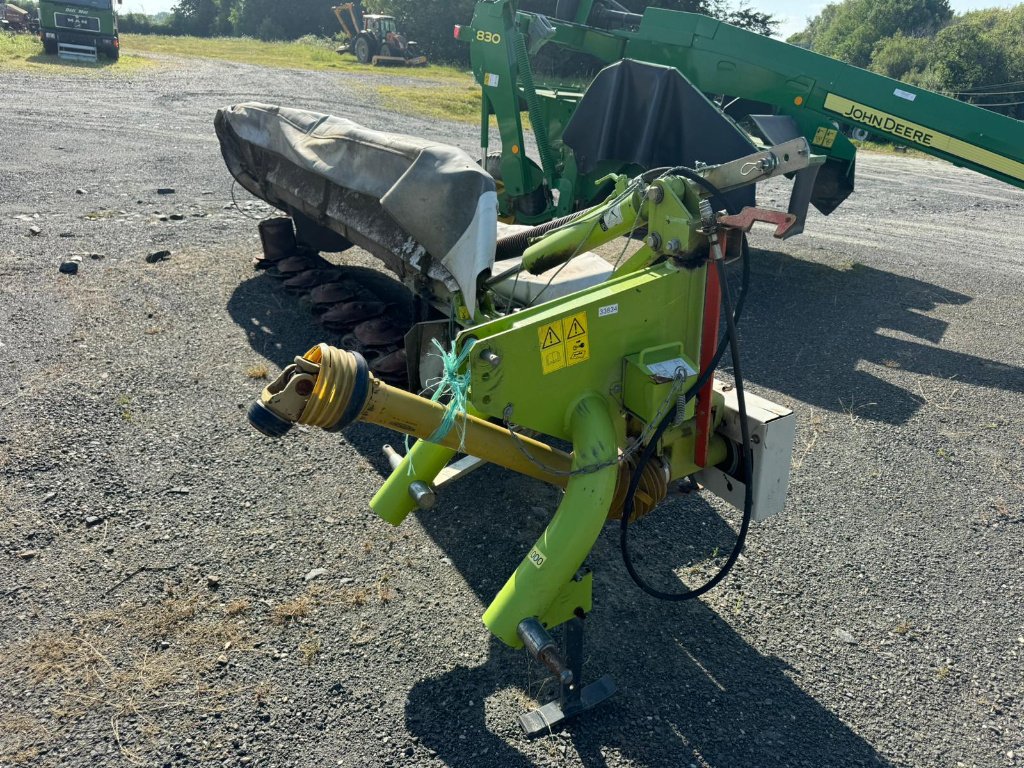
{"x": 158, "y": 601}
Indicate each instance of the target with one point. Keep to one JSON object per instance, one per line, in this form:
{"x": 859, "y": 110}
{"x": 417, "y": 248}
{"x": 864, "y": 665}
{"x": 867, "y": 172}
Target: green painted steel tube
{"x": 392, "y": 503}
{"x": 571, "y": 534}
{"x": 595, "y": 228}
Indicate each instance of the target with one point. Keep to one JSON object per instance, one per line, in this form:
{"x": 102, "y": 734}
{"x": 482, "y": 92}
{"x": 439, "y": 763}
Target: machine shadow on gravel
{"x": 278, "y": 326}
{"x": 808, "y": 326}
{"x": 691, "y": 689}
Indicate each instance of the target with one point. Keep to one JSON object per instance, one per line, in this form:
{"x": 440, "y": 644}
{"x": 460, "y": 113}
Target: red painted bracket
{"x": 745, "y": 219}
{"x": 708, "y": 342}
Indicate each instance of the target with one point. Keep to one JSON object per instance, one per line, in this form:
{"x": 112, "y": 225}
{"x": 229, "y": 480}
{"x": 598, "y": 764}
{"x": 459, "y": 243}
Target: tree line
{"x": 976, "y": 56}
{"x": 429, "y": 22}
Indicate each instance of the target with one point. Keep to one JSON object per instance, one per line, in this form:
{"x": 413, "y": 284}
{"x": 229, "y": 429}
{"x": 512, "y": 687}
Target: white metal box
{"x": 772, "y": 429}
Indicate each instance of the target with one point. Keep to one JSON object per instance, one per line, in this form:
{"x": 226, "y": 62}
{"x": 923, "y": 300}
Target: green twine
{"x": 456, "y": 385}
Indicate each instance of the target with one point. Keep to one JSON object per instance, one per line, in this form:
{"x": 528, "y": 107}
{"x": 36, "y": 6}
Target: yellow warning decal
{"x": 825, "y": 137}
{"x": 563, "y": 342}
{"x": 925, "y": 137}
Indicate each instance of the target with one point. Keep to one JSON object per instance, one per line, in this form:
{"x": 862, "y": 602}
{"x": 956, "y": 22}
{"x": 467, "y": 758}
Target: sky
{"x": 792, "y": 13}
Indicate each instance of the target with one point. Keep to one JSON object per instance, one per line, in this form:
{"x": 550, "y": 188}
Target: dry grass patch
{"x": 129, "y": 668}
{"x": 258, "y": 371}
{"x": 19, "y": 737}
{"x": 310, "y": 649}
{"x": 354, "y": 597}
{"x": 385, "y": 592}
{"x": 292, "y": 611}
{"x": 237, "y": 607}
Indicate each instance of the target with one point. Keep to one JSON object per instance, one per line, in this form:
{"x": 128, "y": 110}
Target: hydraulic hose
{"x": 748, "y": 499}
{"x": 732, "y": 316}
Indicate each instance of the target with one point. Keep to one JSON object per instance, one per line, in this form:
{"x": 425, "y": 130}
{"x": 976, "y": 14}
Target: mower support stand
{"x": 573, "y": 699}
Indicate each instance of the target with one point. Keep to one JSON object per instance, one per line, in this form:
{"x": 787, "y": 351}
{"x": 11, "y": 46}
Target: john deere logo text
{"x": 889, "y": 125}
{"x": 925, "y": 137}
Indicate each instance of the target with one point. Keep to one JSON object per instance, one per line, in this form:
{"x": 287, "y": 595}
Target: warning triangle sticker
{"x": 575, "y": 329}
{"x": 550, "y": 339}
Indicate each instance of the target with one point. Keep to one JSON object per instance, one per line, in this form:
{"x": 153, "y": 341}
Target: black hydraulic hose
{"x": 510, "y": 246}
{"x": 711, "y": 189}
{"x": 748, "y": 495}
{"x": 732, "y": 316}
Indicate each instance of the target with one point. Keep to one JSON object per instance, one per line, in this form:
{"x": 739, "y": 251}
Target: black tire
{"x": 49, "y": 47}
{"x": 362, "y": 49}
{"x": 385, "y": 50}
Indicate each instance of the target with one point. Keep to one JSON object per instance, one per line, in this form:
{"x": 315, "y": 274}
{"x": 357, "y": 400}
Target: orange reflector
{"x": 515, "y": 149}
{"x": 799, "y": 100}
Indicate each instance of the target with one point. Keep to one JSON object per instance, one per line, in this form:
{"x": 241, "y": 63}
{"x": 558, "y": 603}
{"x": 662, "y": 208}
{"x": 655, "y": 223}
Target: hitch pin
{"x": 422, "y": 493}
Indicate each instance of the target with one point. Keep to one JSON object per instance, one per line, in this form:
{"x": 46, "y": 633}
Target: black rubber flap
{"x": 651, "y": 116}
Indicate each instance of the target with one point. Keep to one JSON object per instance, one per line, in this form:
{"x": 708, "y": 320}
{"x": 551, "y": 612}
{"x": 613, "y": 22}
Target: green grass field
{"x": 308, "y": 53}
{"x": 25, "y": 52}
{"x": 437, "y": 92}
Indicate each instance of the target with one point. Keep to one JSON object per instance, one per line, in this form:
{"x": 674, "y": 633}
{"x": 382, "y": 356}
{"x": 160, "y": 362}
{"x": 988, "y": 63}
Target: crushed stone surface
{"x": 156, "y": 552}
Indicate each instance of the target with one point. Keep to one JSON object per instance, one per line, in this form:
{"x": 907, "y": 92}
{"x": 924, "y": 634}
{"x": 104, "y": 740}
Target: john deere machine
{"x": 776, "y": 91}
{"x": 519, "y": 336}
{"x": 375, "y": 39}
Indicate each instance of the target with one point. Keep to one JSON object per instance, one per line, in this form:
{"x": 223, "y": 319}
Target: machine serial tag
{"x": 563, "y": 342}
{"x": 536, "y": 557}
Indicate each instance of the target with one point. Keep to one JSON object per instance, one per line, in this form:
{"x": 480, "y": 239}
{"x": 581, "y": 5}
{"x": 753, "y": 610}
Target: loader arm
{"x": 351, "y": 25}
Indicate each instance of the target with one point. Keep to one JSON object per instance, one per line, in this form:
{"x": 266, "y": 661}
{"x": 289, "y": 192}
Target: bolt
{"x": 490, "y": 356}
{"x": 654, "y": 241}
{"x": 304, "y": 388}
{"x": 674, "y": 246}
{"x": 655, "y": 194}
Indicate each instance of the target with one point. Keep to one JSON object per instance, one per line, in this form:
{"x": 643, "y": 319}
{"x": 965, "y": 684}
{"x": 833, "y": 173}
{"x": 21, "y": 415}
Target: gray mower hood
{"x": 303, "y": 161}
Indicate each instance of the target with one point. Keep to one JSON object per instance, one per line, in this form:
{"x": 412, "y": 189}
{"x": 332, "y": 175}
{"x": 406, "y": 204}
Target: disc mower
{"x": 525, "y": 337}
